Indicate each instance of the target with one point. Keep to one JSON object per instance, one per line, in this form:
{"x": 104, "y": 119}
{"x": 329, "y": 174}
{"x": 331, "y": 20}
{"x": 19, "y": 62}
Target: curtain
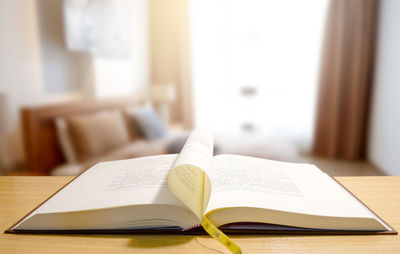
{"x": 346, "y": 79}
{"x": 170, "y": 54}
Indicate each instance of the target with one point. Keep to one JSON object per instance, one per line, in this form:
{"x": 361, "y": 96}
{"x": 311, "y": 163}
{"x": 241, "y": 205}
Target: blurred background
{"x": 314, "y": 81}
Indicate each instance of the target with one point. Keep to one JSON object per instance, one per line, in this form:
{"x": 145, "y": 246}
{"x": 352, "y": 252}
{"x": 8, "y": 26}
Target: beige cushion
{"x": 95, "y": 134}
{"x": 65, "y": 141}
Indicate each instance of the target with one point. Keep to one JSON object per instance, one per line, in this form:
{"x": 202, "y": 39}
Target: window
{"x": 255, "y": 65}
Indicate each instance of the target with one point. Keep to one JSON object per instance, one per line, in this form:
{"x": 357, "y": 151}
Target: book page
{"x": 117, "y": 183}
{"x": 188, "y": 180}
{"x": 198, "y": 150}
{"x": 240, "y": 181}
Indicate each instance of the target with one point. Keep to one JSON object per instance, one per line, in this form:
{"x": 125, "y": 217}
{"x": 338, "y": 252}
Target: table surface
{"x": 19, "y": 195}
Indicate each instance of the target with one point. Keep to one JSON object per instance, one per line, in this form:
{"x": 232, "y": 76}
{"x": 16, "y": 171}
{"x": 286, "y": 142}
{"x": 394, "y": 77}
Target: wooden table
{"x": 18, "y": 195}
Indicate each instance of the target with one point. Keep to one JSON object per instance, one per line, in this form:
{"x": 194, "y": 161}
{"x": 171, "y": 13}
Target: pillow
{"x": 95, "y": 134}
{"x": 133, "y": 130}
{"x": 64, "y": 139}
{"x": 148, "y": 123}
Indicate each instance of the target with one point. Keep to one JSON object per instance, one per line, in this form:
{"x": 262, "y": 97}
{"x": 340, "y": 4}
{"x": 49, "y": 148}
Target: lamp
{"x": 162, "y": 96}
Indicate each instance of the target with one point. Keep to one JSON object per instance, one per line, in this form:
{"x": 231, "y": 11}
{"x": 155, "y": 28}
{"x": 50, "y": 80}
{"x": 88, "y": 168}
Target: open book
{"x": 171, "y": 193}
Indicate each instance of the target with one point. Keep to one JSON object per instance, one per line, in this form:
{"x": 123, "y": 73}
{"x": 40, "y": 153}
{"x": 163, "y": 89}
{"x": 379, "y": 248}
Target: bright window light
{"x": 255, "y": 65}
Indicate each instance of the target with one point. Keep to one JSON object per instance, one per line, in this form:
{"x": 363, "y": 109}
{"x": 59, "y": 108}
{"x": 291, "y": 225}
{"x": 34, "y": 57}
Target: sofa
{"x": 68, "y": 138}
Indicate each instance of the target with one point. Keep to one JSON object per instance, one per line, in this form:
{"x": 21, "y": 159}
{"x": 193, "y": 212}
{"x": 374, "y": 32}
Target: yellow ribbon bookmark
{"x": 219, "y": 236}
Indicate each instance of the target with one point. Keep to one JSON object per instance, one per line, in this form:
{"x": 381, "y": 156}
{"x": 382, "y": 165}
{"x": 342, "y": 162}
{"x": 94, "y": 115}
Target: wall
{"x": 36, "y": 68}
{"x": 130, "y": 74}
{"x": 63, "y": 71}
{"x": 384, "y": 147}
{"x": 33, "y": 67}
{"x": 20, "y": 66}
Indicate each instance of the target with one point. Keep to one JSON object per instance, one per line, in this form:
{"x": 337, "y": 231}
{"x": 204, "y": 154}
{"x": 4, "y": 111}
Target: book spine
{"x": 192, "y": 227}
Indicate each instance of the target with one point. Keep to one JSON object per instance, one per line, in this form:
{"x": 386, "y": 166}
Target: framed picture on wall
{"x": 99, "y": 27}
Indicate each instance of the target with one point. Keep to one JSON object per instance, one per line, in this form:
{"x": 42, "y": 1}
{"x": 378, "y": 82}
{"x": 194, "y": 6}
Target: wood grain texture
{"x": 18, "y": 195}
